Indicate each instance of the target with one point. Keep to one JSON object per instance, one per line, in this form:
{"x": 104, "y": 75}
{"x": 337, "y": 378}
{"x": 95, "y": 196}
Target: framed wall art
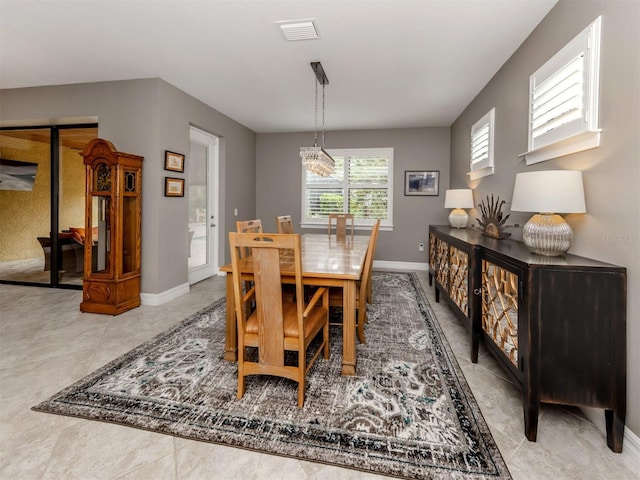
{"x": 421, "y": 182}
{"x": 173, "y": 187}
{"x": 173, "y": 161}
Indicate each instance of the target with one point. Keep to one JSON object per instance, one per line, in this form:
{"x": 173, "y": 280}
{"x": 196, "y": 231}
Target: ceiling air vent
{"x": 293, "y": 30}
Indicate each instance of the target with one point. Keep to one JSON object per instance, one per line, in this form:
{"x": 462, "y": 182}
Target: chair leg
{"x": 362, "y": 318}
{"x": 241, "y": 377}
{"x": 302, "y": 367}
{"x": 325, "y": 336}
{"x": 240, "y": 386}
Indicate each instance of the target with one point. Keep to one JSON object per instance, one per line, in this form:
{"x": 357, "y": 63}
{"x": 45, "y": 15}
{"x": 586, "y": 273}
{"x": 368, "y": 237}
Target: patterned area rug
{"x": 407, "y": 413}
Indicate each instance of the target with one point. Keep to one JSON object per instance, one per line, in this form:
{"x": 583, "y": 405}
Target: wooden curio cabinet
{"x": 113, "y": 204}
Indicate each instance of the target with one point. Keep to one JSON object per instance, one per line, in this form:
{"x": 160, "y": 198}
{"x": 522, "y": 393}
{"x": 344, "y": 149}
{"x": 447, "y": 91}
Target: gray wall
{"x": 147, "y": 117}
{"x": 279, "y": 189}
{"x": 610, "y": 231}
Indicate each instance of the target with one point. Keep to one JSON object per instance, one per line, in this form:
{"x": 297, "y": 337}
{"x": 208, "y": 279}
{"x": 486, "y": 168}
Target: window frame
{"x": 485, "y": 166}
{"x": 308, "y": 222}
{"x": 582, "y": 132}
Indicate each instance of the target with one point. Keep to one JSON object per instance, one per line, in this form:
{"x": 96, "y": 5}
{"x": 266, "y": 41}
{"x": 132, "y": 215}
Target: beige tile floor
{"x": 46, "y": 344}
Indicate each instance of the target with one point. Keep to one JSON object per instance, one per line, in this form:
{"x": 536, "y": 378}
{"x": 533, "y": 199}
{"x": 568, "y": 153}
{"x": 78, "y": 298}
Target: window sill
{"x": 323, "y": 226}
{"x": 574, "y": 144}
{"x": 482, "y": 172}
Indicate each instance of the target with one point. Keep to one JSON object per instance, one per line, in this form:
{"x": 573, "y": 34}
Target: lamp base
{"x": 458, "y": 218}
{"x": 547, "y": 234}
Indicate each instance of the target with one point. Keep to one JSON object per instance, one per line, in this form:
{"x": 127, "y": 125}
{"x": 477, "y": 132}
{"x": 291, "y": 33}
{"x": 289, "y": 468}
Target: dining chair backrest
{"x": 336, "y": 294}
{"x": 248, "y": 226}
{"x": 340, "y": 220}
{"x": 275, "y": 326}
{"x": 367, "y": 292}
{"x": 285, "y": 224}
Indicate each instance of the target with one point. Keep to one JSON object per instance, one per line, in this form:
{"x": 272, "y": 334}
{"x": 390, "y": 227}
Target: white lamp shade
{"x": 551, "y": 191}
{"x": 458, "y": 198}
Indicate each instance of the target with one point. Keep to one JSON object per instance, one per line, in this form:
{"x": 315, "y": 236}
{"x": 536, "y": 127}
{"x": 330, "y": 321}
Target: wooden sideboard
{"x": 556, "y": 325}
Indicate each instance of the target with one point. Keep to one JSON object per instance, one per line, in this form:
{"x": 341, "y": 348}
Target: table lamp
{"x": 548, "y": 192}
{"x": 458, "y": 199}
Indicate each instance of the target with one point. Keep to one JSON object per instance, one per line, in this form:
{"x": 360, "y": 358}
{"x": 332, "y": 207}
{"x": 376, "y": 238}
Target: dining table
{"x": 327, "y": 261}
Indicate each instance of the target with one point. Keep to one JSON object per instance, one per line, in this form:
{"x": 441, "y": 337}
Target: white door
{"x": 202, "y": 193}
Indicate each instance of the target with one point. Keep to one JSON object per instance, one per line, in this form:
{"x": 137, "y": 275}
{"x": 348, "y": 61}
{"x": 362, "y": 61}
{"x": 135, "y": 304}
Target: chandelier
{"x": 315, "y": 159}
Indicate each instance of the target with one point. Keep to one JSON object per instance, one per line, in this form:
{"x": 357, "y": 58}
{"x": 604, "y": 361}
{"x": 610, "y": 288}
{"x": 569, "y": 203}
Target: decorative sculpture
{"x": 493, "y": 223}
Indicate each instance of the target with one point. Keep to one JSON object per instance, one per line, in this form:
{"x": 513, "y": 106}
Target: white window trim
{"x": 484, "y": 167}
{"x": 360, "y": 224}
{"x": 582, "y": 133}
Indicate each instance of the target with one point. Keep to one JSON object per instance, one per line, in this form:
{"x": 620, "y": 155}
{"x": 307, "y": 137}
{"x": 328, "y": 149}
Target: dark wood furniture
{"x": 71, "y": 253}
{"x": 113, "y": 200}
{"x": 556, "y": 325}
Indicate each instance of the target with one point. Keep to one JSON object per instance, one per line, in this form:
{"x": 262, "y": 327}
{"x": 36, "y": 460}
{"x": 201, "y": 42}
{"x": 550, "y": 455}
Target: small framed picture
{"x": 173, "y": 161}
{"x": 173, "y": 187}
{"x": 421, "y": 182}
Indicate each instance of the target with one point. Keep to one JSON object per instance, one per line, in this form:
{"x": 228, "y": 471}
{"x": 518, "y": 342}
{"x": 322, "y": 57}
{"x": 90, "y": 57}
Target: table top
{"x": 325, "y": 257}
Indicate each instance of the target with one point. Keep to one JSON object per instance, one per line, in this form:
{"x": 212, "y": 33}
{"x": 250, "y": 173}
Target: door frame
{"x": 212, "y": 142}
{"x": 54, "y": 199}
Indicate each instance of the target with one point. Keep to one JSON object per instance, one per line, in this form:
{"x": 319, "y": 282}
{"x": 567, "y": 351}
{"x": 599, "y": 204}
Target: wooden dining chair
{"x": 276, "y": 325}
{"x": 248, "y": 226}
{"x": 341, "y": 220}
{"x": 285, "y": 224}
{"x": 336, "y": 294}
{"x": 373, "y": 241}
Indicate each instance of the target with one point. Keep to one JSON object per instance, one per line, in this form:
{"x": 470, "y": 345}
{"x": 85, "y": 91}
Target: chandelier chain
{"x": 315, "y": 131}
{"x": 315, "y": 159}
{"x": 322, "y": 114}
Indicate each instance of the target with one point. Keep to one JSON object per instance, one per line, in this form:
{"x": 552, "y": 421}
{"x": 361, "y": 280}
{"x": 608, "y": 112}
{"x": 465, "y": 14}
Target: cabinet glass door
{"x": 500, "y": 308}
{"x": 459, "y": 279}
{"x": 100, "y": 234}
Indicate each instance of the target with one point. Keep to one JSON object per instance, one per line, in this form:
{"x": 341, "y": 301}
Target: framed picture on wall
{"x": 173, "y": 187}
{"x": 421, "y": 182}
{"x": 173, "y": 161}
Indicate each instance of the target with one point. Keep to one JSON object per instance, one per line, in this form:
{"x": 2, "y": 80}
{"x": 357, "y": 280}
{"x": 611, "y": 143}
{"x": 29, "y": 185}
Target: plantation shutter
{"x": 361, "y": 184}
{"x": 481, "y": 155}
{"x": 563, "y": 93}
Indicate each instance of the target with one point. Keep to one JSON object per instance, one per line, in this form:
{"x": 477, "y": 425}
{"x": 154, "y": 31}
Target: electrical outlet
{"x": 421, "y": 247}
{"x": 235, "y": 212}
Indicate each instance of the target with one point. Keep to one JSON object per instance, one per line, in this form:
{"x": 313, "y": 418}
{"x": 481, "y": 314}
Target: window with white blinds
{"x": 563, "y": 107}
{"x": 482, "y": 133}
{"x": 362, "y": 184}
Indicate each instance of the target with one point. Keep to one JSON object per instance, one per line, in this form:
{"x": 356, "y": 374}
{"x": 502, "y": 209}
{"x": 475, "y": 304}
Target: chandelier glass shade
{"x": 316, "y": 159}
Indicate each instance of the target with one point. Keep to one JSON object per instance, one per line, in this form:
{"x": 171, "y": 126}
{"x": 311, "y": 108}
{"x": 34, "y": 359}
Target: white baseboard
{"x": 630, "y": 442}
{"x": 156, "y": 299}
{"x": 631, "y": 446}
{"x": 406, "y": 266}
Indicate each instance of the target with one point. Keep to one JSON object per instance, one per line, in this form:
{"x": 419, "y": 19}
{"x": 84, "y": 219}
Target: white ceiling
{"x": 390, "y": 63}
